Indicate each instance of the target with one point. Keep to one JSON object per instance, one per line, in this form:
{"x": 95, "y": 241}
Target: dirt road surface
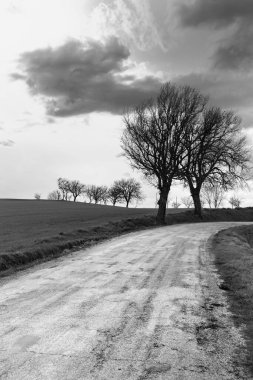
{"x": 146, "y": 305}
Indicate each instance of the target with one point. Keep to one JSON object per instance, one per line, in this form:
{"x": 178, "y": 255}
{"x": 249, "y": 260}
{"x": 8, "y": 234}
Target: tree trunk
{"x": 127, "y": 203}
{"x": 197, "y": 204}
{"x": 162, "y": 203}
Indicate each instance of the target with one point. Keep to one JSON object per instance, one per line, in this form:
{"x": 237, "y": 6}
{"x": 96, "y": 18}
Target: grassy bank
{"x": 39, "y": 230}
{"x": 33, "y": 230}
{"x": 233, "y": 249}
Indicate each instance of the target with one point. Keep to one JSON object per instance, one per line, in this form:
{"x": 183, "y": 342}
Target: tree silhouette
{"x": 213, "y": 194}
{"x": 115, "y": 193}
{"x": 55, "y": 195}
{"x": 96, "y": 193}
{"x": 129, "y": 189}
{"x": 153, "y": 134}
{"x": 75, "y": 188}
{"x": 215, "y": 152}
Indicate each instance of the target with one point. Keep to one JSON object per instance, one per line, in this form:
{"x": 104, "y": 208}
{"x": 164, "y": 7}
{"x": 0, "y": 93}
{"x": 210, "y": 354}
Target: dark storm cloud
{"x": 227, "y": 90}
{"x": 78, "y": 78}
{"x": 217, "y": 13}
{"x": 234, "y": 51}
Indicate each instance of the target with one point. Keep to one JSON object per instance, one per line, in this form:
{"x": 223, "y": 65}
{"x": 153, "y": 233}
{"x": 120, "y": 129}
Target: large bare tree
{"x": 216, "y": 151}
{"x": 153, "y": 134}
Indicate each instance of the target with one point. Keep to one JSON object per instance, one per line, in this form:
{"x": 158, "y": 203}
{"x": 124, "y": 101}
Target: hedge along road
{"x": 146, "y": 305}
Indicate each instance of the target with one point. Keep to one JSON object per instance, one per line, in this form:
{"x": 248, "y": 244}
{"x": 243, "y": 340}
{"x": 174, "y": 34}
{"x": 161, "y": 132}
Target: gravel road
{"x": 146, "y": 305}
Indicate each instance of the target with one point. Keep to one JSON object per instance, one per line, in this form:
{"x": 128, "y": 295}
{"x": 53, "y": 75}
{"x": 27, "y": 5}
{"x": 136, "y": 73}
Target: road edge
{"x": 218, "y": 333}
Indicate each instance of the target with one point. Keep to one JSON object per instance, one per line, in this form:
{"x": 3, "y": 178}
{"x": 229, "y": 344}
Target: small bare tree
{"x": 187, "y": 201}
{"x": 75, "y": 188}
{"x": 234, "y": 201}
{"x": 37, "y": 196}
{"x": 130, "y": 190}
{"x": 115, "y": 194}
{"x": 55, "y": 196}
{"x": 104, "y": 194}
{"x": 213, "y": 194}
{"x": 96, "y": 194}
{"x": 63, "y": 185}
{"x": 89, "y": 193}
{"x": 175, "y": 204}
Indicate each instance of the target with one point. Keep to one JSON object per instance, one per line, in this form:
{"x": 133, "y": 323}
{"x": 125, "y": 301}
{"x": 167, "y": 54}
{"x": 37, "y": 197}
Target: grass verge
{"x": 233, "y": 250}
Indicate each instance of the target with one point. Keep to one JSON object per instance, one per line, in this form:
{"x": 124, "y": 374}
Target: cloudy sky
{"x": 69, "y": 68}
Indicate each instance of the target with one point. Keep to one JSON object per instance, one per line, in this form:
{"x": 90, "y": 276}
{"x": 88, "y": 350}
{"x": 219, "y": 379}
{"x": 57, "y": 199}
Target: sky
{"x": 70, "y": 68}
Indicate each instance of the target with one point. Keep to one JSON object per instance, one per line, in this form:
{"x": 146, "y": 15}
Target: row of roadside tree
{"x": 212, "y": 196}
{"x": 122, "y": 191}
{"x": 129, "y": 190}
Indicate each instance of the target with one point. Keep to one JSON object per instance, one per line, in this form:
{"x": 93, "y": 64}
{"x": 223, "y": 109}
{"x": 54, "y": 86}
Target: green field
{"x": 24, "y": 223}
{"x": 33, "y": 230}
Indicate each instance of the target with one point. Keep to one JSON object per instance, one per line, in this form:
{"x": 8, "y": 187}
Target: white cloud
{"x": 138, "y": 23}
